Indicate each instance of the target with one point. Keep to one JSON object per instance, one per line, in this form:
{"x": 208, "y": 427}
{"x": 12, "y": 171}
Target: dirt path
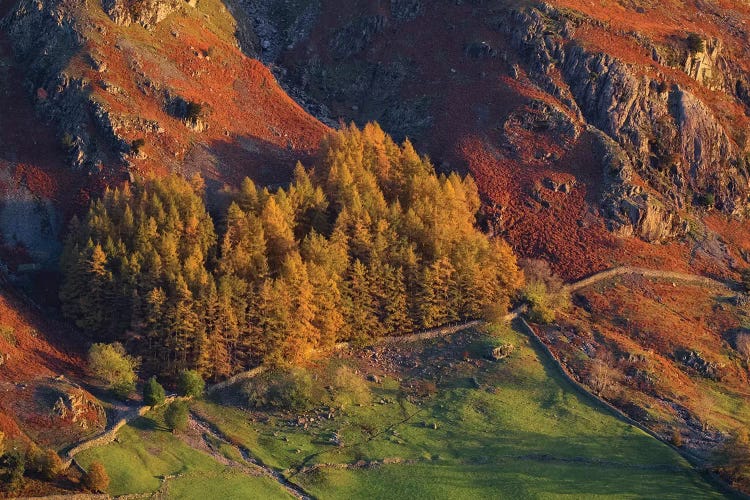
{"x": 647, "y": 273}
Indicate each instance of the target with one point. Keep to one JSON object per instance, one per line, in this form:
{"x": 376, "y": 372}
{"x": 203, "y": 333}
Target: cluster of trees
{"x": 369, "y": 243}
{"x": 28, "y": 458}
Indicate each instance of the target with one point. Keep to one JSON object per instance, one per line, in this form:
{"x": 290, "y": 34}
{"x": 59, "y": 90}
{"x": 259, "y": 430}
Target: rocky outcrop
{"x": 77, "y": 407}
{"x": 83, "y": 124}
{"x": 627, "y": 208}
{"x": 705, "y": 65}
{"x": 147, "y": 13}
{"x": 671, "y": 138}
{"x": 356, "y": 36}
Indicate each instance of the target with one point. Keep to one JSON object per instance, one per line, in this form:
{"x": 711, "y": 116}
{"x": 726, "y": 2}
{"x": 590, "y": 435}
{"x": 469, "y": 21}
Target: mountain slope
{"x": 577, "y": 120}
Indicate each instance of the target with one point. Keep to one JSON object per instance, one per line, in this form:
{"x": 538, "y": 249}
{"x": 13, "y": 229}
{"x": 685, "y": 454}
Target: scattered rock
{"x": 502, "y": 351}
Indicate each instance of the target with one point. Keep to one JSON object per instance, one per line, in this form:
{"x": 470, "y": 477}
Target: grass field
{"x": 510, "y": 429}
{"x": 145, "y": 452}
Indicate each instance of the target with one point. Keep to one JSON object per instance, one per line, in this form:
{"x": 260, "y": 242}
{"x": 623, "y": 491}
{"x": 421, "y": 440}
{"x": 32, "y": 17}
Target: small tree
{"x": 47, "y": 463}
{"x": 602, "y": 373}
{"x": 96, "y": 479}
{"x": 153, "y": 392}
{"x": 190, "y": 383}
{"x": 734, "y": 459}
{"x": 349, "y": 388}
{"x": 52, "y": 464}
{"x": 12, "y": 467}
{"x": 176, "y": 416}
{"x": 544, "y": 292}
{"x": 110, "y": 363}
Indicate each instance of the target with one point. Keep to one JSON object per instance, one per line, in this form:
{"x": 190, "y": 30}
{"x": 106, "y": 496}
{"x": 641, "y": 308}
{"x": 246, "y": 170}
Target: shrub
{"x": 292, "y": 391}
{"x": 707, "y": 200}
{"x": 96, "y": 479}
{"x": 153, "y": 392}
{"x": 12, "y": 467}
{"x": 51, "y": 464}
{"x": 695, "y": 43}
{"x": 677, "y": 438}
{"x": 110, "y": 363}
{"x": 9, "y": 334}
{"x": 46, "y": 463}
{"x": 349, "y": 388}
{"x": 544, "y": 292}
{"x": 282, "y": 388}
{"x": 176, "y": 416}
{"x": 603, "y": 374}
{"x": 190, "y": 383}
{"x": 193, "y": 111}
{"x": 136, "y": 145}
{"x": 734, "y": 459}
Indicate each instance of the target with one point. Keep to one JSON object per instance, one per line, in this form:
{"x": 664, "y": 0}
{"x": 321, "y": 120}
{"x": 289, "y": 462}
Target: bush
{"x": 544, "y": 292}
{"x": 8, "y": 333}
{"x": 734, "y": 459}
{"x": 96, "y": 479}
{"x": 153, "y": 392}
{"x": 695, "y": 43}
{"x": 136, "y": 146}
{"x": 176, "y": 416}
{"x": 677, "y": 438}
{"x": 110, "y": 363}
{"x": 12, "y": 467}
{"x": 707, "y": 200}
{"x": 349, "y": 388}
{"x": 190, "y": 383}
{"x": 52, "y": 465}
{"x": 193, "y": 111}
{"x": 46, "y": 463}
{"x": 282, "y": 388}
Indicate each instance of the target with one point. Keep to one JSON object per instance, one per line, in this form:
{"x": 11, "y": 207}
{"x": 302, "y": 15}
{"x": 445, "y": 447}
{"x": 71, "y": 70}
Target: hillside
{"x": 597, "y": 134}
{"x": 593, "y": 120}
{"x": 430, "y": 419}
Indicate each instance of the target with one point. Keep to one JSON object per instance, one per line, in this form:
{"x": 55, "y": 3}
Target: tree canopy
{"x": 370, "y": 242}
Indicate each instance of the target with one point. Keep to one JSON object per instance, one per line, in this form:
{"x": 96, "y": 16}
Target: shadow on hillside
{"x": 227, "y": 163}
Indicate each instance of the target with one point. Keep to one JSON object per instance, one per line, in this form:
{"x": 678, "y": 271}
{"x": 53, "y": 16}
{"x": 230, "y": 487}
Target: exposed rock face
{"x": 628, "y": 210}
{"x": 76, "y": 406}
{"x": 706, "y": 65}
{"x": 355, "y": 36}
{"x": 61, "y": 99}
{"x": 147, "y": 13}
{"x": 671, "y": 138}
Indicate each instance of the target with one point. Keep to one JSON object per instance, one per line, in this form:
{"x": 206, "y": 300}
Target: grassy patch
{"x": 510, "y": 428}
{"x": 515, "y": 479}
{"x": 144, "y": 453}
{"x": 227, "y": 484}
